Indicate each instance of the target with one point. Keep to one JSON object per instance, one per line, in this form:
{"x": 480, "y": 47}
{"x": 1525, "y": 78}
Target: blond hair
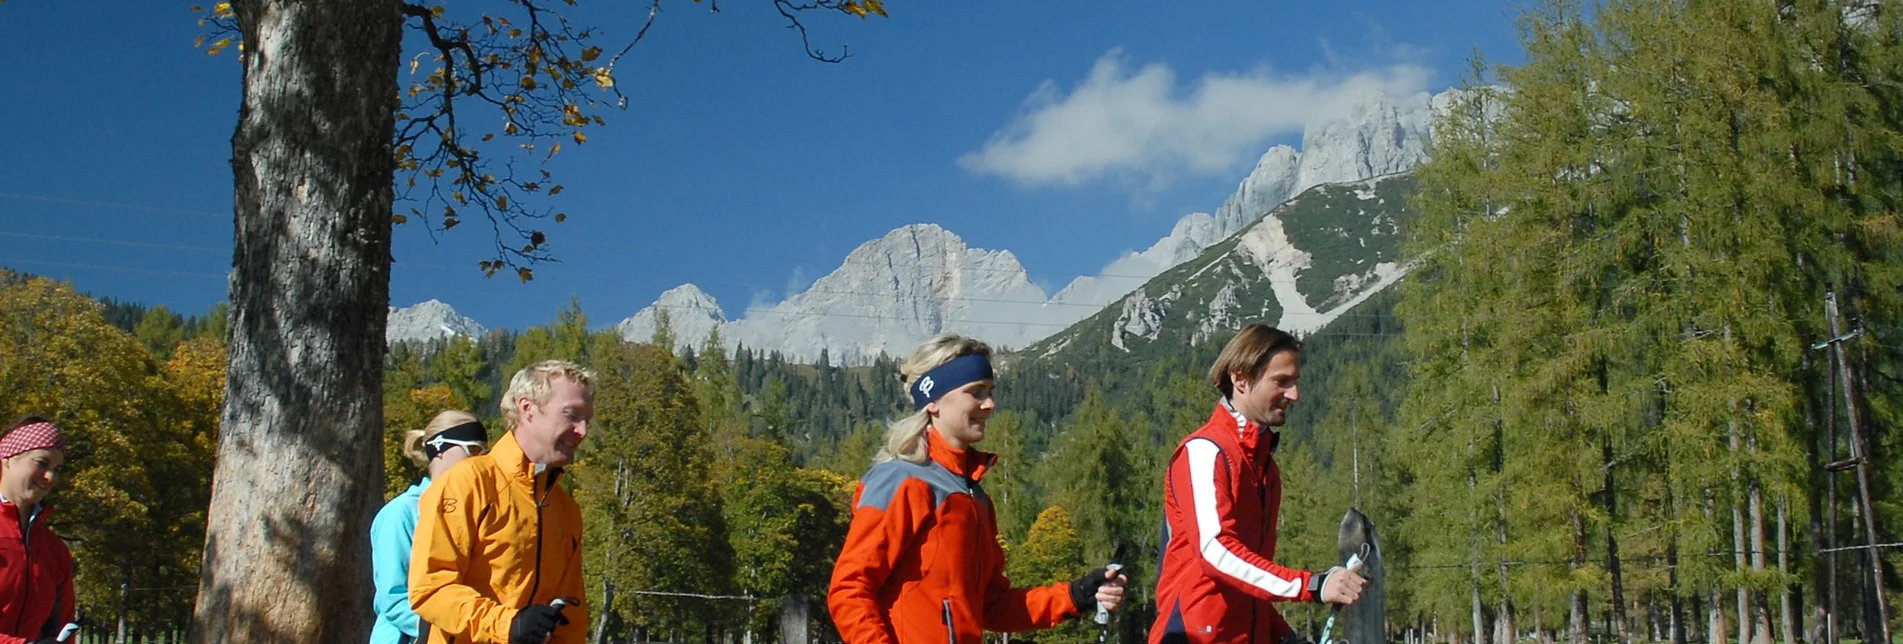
{"x": 533, "y": 382}
{"x": 905, "y": 437}
{"x": 413, "y": 439}
{"x": 1248, "y": 354}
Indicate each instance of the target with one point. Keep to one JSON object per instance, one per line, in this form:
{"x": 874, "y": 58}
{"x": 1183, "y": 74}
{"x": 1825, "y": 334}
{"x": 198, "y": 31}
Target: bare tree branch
{"x": 540, "y": 75}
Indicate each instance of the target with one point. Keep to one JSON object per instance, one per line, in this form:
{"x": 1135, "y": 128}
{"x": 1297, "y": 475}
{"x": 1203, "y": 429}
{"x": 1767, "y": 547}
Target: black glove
{"x": 533, "y": 624}
{"x": 1083, "y": 591}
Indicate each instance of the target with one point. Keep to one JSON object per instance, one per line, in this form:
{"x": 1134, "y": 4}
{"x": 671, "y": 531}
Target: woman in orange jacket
{"x": 922, "y": 564}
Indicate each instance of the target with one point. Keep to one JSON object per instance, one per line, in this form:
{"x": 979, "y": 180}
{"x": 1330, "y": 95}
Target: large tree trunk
{"x": 300, "y": 472}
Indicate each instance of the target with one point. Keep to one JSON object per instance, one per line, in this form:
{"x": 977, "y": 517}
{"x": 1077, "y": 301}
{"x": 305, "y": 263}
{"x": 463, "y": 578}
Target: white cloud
{"x": 1137, "y": 122}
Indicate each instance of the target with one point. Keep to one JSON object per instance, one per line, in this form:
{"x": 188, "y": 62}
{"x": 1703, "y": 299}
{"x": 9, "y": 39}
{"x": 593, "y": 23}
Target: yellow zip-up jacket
{"x": 492, "y": 537}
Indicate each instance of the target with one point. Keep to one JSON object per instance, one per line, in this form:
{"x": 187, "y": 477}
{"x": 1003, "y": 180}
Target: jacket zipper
{"x": 26, "y": 568}
{"x": 540, "y": 503}
{"x": 1262, "y": 493}
{"x": 951, "y": 634}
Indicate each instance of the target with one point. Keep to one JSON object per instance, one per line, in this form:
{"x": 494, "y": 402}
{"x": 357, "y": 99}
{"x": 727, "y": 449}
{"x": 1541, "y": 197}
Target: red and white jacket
{"x": 1222, "y": 496}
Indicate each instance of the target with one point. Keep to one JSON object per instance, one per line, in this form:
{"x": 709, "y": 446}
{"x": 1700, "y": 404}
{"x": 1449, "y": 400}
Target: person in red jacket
{"x": 36, "y": 569}
{"x": 1221, "y": 496}
{"x": 922, "y": 563}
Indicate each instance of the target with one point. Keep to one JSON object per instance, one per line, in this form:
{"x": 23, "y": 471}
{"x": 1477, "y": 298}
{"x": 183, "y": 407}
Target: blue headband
{"x": 962, "y": 370}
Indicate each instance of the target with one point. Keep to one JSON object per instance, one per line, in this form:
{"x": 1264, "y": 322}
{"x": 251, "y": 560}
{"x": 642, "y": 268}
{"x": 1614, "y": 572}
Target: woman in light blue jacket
{"x": 451, "y": 437}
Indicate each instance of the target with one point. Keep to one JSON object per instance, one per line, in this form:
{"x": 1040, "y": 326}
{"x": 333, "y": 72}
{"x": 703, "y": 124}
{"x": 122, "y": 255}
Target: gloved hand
{"x": 1084, "y": 591}
{"x": 533, "y": 624}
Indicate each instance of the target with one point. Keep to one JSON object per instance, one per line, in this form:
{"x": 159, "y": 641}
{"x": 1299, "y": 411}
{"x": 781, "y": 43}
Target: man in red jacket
{"x": 1222, "y": 494}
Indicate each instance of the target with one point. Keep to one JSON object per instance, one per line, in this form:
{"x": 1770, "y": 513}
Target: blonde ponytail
{"x": 413, "y": 448}
{"x": 905, "y": 437}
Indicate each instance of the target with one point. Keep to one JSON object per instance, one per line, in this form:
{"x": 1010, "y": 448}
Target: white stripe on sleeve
{"x": 1202, "y": 476}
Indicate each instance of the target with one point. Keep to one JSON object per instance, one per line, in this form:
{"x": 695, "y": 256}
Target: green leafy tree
{"x": 1051, "y": 553}
{"x": 459, "y": 366}
{"x": 160, "y": 330}
{"x": 646, "y": 484}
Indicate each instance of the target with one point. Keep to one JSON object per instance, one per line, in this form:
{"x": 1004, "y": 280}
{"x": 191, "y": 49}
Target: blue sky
{"x": 739, "y": 165}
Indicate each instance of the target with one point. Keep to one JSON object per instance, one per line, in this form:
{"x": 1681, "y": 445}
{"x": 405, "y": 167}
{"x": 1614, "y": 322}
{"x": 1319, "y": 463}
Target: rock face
{"x": 895, "y": 292}
{"x": 1376, "y": 136}
{"x": 920, "y": 280}
{"x": 428, "y": 320}
{"x": 692, "y": 315}
{"x": 1301, "y": 266}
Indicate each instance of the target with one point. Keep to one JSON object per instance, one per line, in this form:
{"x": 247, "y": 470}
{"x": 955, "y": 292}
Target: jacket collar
{"x": 1247, "y": 433}
{"x": 10, "y": 516}
{"x": 969, "y": 462}
{"x": 514, "y": 462}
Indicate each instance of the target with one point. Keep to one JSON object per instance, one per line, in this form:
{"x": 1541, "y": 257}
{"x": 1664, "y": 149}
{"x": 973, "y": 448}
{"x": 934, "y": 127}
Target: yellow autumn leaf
{"x": 555, "y": 191}
{"x": 877, "y": 7}
{"x": 223, "y": 10}
{"x": 590, "y": 53}
{"x": 604, "y": 78}
{"x": 502, "y": 203}
{"x": 580, "y": 138}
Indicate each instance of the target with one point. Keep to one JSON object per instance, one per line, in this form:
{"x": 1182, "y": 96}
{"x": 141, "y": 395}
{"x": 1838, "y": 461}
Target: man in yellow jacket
{"x": 497, "y": 558}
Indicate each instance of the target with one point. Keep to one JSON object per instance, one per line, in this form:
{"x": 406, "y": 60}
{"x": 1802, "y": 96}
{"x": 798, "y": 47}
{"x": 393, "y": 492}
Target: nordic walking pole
{"x": 1103, "y": 612}
{"x": 1354, "y": 564}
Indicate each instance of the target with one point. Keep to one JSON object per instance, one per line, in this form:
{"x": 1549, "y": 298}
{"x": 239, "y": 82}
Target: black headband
{"x": 469, "y": 435}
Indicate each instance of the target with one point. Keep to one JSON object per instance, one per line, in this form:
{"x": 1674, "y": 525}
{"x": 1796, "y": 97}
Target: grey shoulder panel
{"x": 881, "y": 483}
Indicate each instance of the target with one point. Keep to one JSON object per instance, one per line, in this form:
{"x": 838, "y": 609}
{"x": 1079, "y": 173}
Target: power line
{"x": 599, "y": 276}
{"x": 4, "y": 261}
{"x": 750, "y": 311}
{"x": 115, "y": 242}
{"x": 636, "y": 247}
{"x": 120, "y": 206}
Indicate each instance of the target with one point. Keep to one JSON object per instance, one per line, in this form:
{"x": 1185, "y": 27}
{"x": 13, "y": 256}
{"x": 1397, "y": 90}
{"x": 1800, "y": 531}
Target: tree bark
{"x": 1581, "y": 629}
{"x": 1787, "y": 613}
{"x": 1504, "y": 623}
{"x": 300, "y": 473}
{"x": 1715, "y": 617}
{"x": 1612, "y": 549}
{"x": 1760, "y": 608}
